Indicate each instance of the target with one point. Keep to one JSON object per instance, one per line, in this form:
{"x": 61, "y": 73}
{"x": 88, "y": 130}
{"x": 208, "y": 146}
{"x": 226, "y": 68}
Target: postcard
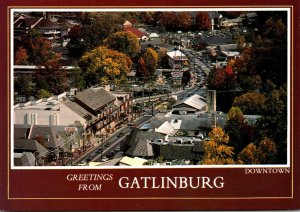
{"x": 149, "y": 106}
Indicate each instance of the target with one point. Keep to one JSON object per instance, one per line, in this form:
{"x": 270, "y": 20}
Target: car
{"x": 104, "y": 159}
{"x": 89, "y": 158}
{"x": 131, "y": 124}
{"x": 98, "y": 151}
{"x": 110, "y": 154}
{"x": 120, "y": 135}
{"x": 107, "y": 144}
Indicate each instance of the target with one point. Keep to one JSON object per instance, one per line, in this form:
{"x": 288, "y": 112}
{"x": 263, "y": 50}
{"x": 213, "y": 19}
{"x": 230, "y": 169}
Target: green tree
{"x": 125, "y": 42}
{"x": 42, "y": 93}
{"x": 102, "y": 64}
{"x": 250, "y": 103}
{"x": 217, "y": 150}
{"x": 77, "y": 78}
{"x": 96, "y": 27}
{"x": 23, "y": 85}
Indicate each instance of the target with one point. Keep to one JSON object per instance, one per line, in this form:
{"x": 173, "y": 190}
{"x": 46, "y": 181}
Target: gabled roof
{"x": 95, "y": 98}
{"x": 47, "y": 133}
{"x": 28, "y": 145}
{"x": 24, "y": 159}
{"x": 77, "y": 108}
{"x": 127, "y": 24}
{"x": 46, "y": 23}
{"x": 166, "y": 128}
{"x": 135, "y": 31}
{"x": 29, "y": 22}
{"x": 177, "y": 55}
{"x": 139, "y": 142}
{"x": 194, "y": 101}
{"x": 21, "y": 131}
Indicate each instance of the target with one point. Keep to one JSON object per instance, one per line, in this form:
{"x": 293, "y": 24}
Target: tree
{"x": 183, "y": 20}
{"x": 42, "y": 93}
{"x": 23, "y": 85}
{"x": 103, "y": 63}
{"x": 221, "y": 79}
{"x": 96, "y": 27}
{"x": 234, "y": 125}
{"x": 273, "y": 123}
{"x": 250, "y": 103}
{"x": 77, "y": 78}
{"x": 248, "y": 155}
{"x": 51, "y": 76}
{"x": 203, "y": 21}
{"x": 167, "y": 19}
{"x": 21, "y": 56}
{"x": 216, "y": 148}
{"x": 125, "y": 42}
{"x": 150, "y": 59}
{"x": 37, "y": 48}
{"x": 266, "y": 152}
{"x": 163, "y": 57}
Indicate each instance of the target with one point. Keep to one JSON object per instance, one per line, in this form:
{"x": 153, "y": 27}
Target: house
{"x": 24, "y": 159}
{"x": 195, "y": 102}
{"x": 142, "y": 36}
{"x": 102, "y": 110}
{"x": 177, "y": 59}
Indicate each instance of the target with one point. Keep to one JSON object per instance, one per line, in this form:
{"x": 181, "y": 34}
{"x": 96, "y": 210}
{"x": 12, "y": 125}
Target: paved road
{"x": 111, "y": 143}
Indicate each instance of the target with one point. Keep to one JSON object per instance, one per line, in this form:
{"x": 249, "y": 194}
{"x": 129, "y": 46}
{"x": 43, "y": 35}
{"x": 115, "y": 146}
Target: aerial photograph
{"x": 156, "y": 88}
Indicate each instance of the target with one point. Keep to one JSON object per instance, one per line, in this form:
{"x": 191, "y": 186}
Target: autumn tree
{"x": 125, "y": 42}
{"x": 234, "y": 125}
{"x": 250, "y": 103}
{"x": 266, "y": 152}
{"x": 51, "y": 76}
{"x": 183, "y": 20}
{"x": 148, "y": 63}
{"x": 273, "y": 123}
{"x": 221, "y": 79}
{"x": 102, "y": 65}
{"x": 203, "y": 21}
{"x": 217, "y": 150}
{"x": 168, "y": 19}
{"x": 21, "y": 56}
{"x": 77, "y": 78}
{"x": 248, "y": 155}
{"x": 163, "y": 58}
{"x": 38, "y": 48}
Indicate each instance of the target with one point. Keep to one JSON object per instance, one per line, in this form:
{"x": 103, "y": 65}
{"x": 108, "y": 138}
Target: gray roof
{"x": 139, "y": 142}
{"x": 21, "y": 131}
{"x": 95, "y": 98}
{"x": 76, "y": 108}
{"x": 195, "y": 101}
{"x": 27, "y": 145}
{"x": 24, "y": 159}
{"x": 188, "y": 123}
{"x": 47, "y": 133}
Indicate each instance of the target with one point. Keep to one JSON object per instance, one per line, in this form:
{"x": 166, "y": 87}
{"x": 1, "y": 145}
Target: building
{"x": 194, "y": 102}
{"x": 142, "y": 36}
{"x": 177, "y": 59}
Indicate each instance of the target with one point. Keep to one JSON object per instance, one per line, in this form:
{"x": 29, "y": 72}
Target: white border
{"x": 120, "y": 9}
